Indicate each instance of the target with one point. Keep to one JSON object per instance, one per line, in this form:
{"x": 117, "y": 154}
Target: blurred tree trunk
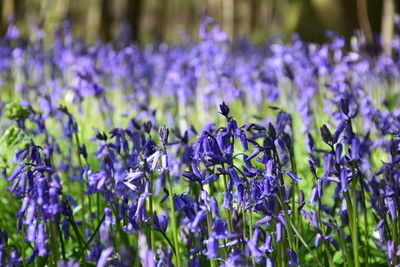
{"x": 161, "y": 21}
{"x": 2, "y": 21}
{"x": 363, "y": 21}
{"x": 134, "y": 11}
{"x": 93, "y": 20}
{"x": 228, "y": 9}
{"x": 242, "y": 18}
{"x": 254, "y": 8}
{"x": 106, "y": 19}
{"x": 387, "y": 27}
{"x": 193, "y": 19}
{"x": 335, "y": 21}
{"x": 10, "y": 8}
{"x": 19, "y": 9}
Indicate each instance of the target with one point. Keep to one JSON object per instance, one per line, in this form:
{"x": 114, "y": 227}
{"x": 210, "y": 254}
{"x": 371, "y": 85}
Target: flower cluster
{"x": 204, "y": 154}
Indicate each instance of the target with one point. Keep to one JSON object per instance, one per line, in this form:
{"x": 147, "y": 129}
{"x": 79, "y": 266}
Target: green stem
{"x": 304, "y": 243}
{"x": 354, "y": 216}
{"x": 209, "y": 228}
{"x": 326, "y": 244}
{"x": 352, "y": 230}
{"x": 366, "y": 235}
{"x": 98, "y": 208}
{"x": 61, "y": 243}
{"x": 94, "y": 233}
{"x": 122, "y": 236}
{"x": 251, "y": 224}
{"x": 152, "y": 235}
{"x": 296, "y": 192}
{"x": 285, "y": 214}
{"x": 251, "y": 234}
{"x": 22, "y": 244}
{"x": 281, "y": 199}
{"x": 169, "y": 242}
{"x": 78, "y": 236}
{"x": 282, "y": 251}
{"x": 53, "y": 241}
{"x": 230, "y": 224}
{"x": 244, "y": 225}
{"x": 173, "y": 219}
{"x": 81, "y": 184}
{"x": 344, "y": 250}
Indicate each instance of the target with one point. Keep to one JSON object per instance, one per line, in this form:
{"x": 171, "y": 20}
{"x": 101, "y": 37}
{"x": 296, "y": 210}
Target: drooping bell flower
{"x": 160, "y": 222}
{"x": 34, "y": 254}
{"x": 338, "y": 153}
{"x": 294, "y": 177}
{"x": 94, "y": 253}
{"x": 227, "y": 200}
{"x": 220, "y": 228}
{"x": 41, "y": 240}
{"x": 194, "y": 226}
{"x": 293, "y": 258}
{"x": 278, "y": 232}
{"x": 391, "y": 250}
{"x": 253, "y": 246}
{"x": 14, "y": 259}
{"x": 355, "y": 148}
{"x": 103, "y": 259}
{"x": 344, "y": 180}
{"x": 146, "y": 256}
{"x": 212, "y": 247}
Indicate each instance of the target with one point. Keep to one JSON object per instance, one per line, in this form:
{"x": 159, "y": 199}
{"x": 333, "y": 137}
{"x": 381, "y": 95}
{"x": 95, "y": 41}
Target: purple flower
{"x": 234, "y": 176}
{"x": 252, "y": 244}
{"x": 293, "y": 176}
{"x": 41, "y": 240}
{"x": 293, "y": 258}
{"x": 146, "y": 256}
{"x": 103, "y": 259}
{"x": 391, "y": 250}
{"x": 220, "y": 228}
{"x": 212, "y": 247}
{"x": 344, "y": 180}
{"x": 194, "y": 226}
{"x": 355, "y": 148}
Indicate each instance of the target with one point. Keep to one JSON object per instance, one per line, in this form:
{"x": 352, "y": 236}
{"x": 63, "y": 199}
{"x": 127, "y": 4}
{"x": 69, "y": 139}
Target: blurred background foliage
{"x": 167, "y": 20}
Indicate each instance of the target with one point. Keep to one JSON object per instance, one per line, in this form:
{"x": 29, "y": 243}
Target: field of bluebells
{"x": 205, "y": 153}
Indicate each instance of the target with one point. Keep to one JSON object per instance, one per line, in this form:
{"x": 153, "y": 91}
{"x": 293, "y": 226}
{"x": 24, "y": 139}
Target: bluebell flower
{"x": 227, "y": 200}
{"x": 200, "y": 216}
{"x": 391, "y": 250}
{"x": 14, "y": 259}
{"x": 253, "y": 245}
{"x": 34, "y": 254}
{"x": 344, "y": 180}
{"x": 355, "y": 148}
{"x": 220, "y": 227}
{"x": 3, "y": 244}
{"x": 234, "y": 176}
{"x": 293, "y": 176}
{"x": 267, "y": 246}
{"x": 146, "y": 256}
{"x": 338, "y": 153}
{"x": 278, "y": 232}
{"x": 265, "y": 220}
{"x": 104, "y": 257}
{"x": 293, "y": 258}
{"x": 326, "y": 134}
{"x": 69, "y": 263}
{"x": 212, "y": 247}
{"x": 41, "y": 240}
